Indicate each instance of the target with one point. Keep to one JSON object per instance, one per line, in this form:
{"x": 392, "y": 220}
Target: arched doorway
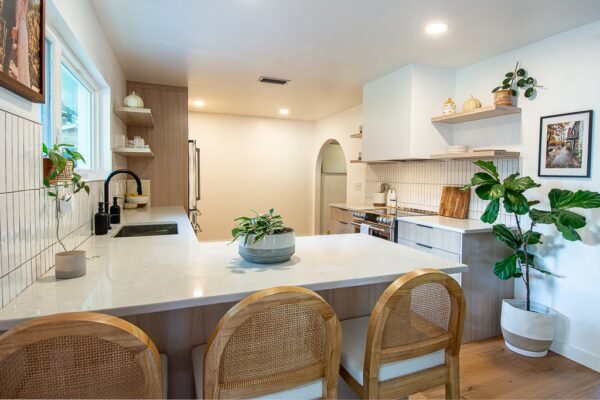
{"x": 331, "y": 182}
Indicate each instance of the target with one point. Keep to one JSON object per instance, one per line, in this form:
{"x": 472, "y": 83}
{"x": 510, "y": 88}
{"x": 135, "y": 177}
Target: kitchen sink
{"x": 147, "y": 230}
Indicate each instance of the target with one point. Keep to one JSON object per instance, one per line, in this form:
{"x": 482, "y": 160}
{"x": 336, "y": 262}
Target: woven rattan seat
{"x": 411, "y": 341}
{"x": 78, "y": 355}
{"x": 271, "y": 342}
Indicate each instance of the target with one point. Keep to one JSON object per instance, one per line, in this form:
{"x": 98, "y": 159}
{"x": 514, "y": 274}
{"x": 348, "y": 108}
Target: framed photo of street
{"x": 565, "y": 145}
{"x": 22, "y": 48}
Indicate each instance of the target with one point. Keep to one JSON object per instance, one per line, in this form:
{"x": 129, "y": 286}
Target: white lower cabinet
{"x": 483, "y": 291}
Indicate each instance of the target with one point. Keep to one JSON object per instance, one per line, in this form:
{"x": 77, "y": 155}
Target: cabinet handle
{"x": 342, "y": 222}
{"x": 425, "y": 226}
{"x": 424, "y": 245}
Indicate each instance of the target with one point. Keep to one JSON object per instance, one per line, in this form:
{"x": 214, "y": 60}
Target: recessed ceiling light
{"x": 198, "y": 103}
{"x": 284, "y": 111}
{"x": 436, "y": 28}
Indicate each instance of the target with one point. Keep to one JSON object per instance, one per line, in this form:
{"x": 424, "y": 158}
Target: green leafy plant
{"x": 59, "y": 155}
{"x": 260, "y": 225}
{"x": 518, "y": 79}
{"x": 510, "y": 191}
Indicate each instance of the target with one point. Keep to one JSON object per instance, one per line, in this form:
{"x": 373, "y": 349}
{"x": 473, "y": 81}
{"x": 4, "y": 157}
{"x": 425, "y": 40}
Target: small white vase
{"x": 529, "y": 333}
{"x": 270, "y": 250}
{"x": 69, "y": 264}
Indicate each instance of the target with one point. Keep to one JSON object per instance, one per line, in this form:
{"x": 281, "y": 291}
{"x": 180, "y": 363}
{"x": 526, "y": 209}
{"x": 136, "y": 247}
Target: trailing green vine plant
{"x": 59, "y": 155}
{"x": 510, "y": 192}
{"x": 518, "y": 79}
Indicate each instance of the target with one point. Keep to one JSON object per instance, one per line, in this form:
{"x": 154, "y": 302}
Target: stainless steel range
{"x": 381, "y": 222}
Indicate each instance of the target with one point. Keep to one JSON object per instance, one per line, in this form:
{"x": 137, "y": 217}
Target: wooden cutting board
{"x": 454, "y": 202}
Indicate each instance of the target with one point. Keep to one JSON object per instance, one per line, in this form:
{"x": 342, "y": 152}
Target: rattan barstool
{"x": 281, "y": 343}
{"x": 411, "y": 341}
{"x": 79, "y": 355}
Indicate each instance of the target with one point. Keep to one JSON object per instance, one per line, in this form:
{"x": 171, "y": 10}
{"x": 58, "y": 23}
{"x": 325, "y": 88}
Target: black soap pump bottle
{"x": 107, "y": 216}
{"x": 100, "y": 219}
{"x": 115, "y": 212}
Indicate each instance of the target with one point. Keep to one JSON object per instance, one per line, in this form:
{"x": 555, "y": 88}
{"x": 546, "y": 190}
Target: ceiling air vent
{"x": 273, "y": 81}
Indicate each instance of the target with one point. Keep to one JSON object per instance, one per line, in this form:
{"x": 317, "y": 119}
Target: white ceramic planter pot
{"x": 69, "y": 264}
{"x": 529, "y": 333}
{"x": 270, "y": 250}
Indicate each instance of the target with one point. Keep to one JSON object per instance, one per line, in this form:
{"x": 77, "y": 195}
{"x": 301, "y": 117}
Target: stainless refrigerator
{"x": 194, "y": 184}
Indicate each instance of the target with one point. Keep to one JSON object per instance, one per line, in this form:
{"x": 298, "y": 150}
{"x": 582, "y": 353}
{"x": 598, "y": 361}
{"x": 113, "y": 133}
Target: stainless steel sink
{"x": 167, "y": 228}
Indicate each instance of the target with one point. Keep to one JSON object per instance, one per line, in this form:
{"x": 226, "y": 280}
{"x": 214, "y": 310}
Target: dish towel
{"x": 365, "y": 228}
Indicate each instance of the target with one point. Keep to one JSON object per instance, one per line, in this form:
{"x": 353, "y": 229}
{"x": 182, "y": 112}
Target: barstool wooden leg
{"x": 453, "y": 385}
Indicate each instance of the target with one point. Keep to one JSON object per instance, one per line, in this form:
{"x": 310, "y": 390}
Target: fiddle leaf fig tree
{"x": 511, "y": 193}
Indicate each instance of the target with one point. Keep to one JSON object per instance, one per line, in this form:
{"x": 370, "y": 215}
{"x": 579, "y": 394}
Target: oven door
{"x": 375, "y": 229}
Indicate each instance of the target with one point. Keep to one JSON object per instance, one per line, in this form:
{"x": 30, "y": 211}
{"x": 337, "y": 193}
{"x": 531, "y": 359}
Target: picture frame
{"x": 565, "y": 148}
{"x": 20, "y": 21}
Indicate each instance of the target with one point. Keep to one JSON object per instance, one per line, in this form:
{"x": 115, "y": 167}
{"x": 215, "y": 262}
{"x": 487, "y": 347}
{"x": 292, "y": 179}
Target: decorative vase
{"x": 133, "y": 101}
{"x": 503, "y": 98}
{"x": 449, "y": 107}
{"x": 471, "y": 104}
{"x": 269, "y": 250}
{"x": 529, "y": 333}
{"x": 69, "y": 264}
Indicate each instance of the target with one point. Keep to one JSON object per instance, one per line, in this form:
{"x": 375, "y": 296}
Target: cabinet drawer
{"x": 341, "y": 227}
{"x": 428, "y": 236}
{"x": 436, "y": 252}
{"x": 341, "y": 215}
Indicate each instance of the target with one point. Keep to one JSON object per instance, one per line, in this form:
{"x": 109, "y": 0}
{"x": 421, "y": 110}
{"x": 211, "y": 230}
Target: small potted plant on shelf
{"x": 528, "y": 328}
{"x": 264, "y": 239}
{"x": 68, "y": 264}
{"x": 513, "y": 81}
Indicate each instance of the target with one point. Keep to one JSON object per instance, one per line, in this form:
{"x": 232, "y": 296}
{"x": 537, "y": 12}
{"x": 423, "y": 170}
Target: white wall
{"x": 252, "y": 163}
{"x": 567, "y": 65}
{"x": 339, "y": 127}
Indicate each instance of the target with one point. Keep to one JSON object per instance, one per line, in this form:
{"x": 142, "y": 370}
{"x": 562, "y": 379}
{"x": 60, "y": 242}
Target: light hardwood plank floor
{"x": 488, "y": 370}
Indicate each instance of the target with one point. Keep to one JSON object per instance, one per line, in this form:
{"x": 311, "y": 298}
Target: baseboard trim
{"x": 573, "y": 353}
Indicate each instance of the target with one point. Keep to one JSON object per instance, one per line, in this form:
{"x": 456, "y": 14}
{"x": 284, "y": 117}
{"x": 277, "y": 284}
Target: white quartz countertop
{"x": 147, "y": 274}
{"x": 449, "y": 224}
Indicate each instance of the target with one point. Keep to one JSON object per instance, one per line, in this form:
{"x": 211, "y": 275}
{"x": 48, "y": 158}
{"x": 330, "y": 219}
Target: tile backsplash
{"x": 27, "y": 215}
{"x": 419, "y": 183}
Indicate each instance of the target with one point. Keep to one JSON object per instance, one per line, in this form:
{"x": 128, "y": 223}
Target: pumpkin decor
{"x": 471, "y": 103}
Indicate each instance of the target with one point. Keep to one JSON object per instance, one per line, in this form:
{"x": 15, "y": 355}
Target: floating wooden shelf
{"x": 473, "y": 155}
{"x": 356, "y": 136}
{"x": 135, "y": 117}
{"x": 478, "y": 113}
{"x": 134, "y": 152}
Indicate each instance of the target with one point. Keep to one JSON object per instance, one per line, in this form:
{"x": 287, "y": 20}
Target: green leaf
{"x": 533, "y": 202}
{"x": 509, "y": 74}
{"x": 529, "y": 92}
{"x": 505, "y": 87}
{"x": 483, "y": 191}
{"x": 482, "y": 178}
{"x": 44, "y": 149}
{"x": 540, "y": 216}
{"x": 513, "y": 92}
{"x": 560, "y": 199}
{"x": 532, "y": 237}
{"x": 520, "y": 185}
{"x": 506, "y": 268}
{"x": 529, "y": 81}
{"x": 506, "y": 81}
{"x": 515, "y": 202}
{"x": 530, "y": 257}
{"x": 567, "y": 232}
{"x": 496, "y": 89}
{"x": 521, "y": 72}
{"x": 52, "y": 194}
{"x": 571, "y": 219}
{"x": 488, "y": 166}
{"x": 491, "y": 212}
{"x": 505, "y": 235}
{"x": 46, "y": 182}
{"x": 521, "y": 82}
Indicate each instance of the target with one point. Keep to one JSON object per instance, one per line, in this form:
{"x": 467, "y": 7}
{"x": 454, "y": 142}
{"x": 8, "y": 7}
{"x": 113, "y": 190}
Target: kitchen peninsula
{"x": 176, "y": 288}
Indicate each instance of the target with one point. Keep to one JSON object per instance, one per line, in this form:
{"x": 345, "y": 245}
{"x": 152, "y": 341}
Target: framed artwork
{"x": 22, "y": 47}
{"x": 565, "y": 145}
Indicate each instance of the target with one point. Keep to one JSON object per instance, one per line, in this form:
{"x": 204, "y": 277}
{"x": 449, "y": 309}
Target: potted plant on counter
{"x": 264, "y": 239}
{"x": 513, "y": 81}
{"x": 528, "y": 328}
{"x": 68, "y": 264}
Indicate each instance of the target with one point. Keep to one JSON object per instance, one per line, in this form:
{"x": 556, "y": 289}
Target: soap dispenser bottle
{"x": 100, "y": 219}
{"x": 115, "y": 212}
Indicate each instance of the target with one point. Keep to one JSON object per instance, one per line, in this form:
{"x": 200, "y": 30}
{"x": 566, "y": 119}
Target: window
{"x": 74, "y": 108}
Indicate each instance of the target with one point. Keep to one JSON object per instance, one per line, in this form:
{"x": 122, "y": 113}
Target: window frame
{"x": 61, "y": 54}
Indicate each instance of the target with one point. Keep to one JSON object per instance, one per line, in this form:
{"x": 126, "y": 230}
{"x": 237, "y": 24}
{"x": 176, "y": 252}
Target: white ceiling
{"x": 328, "y": 48}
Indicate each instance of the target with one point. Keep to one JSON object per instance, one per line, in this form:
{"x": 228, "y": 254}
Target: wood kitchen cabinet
{"x": 483, "y": 290}
{"x": 397, "y": 110}
{"x": 341, "y": 221}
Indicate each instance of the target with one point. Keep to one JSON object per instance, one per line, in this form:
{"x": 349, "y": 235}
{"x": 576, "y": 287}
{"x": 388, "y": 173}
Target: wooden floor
{"x": 488, "y": 370}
